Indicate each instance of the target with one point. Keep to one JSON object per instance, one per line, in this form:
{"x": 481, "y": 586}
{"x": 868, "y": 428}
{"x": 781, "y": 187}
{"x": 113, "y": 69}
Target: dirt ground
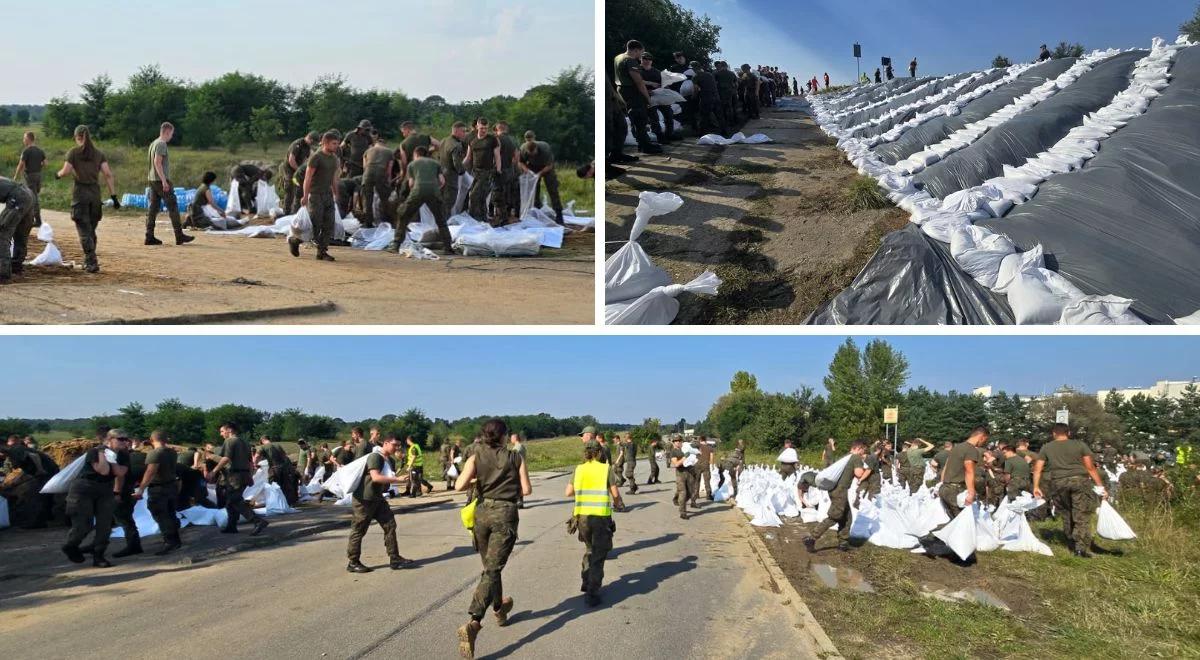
{"x": 771, "y": 220}
{"x": 234, "y": 279}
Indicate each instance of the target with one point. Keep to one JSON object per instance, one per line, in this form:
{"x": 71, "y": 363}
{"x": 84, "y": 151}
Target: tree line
{"x": 193, "y": 425}
{"x": 861, "y": 383}
{"x": 663, "y": 27}
{"x": 238, "y": 108}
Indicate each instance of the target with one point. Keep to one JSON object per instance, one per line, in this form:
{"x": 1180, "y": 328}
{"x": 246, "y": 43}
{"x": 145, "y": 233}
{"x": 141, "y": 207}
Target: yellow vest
{"x": 416, "y": 456}
{"x": 591, "y": 490}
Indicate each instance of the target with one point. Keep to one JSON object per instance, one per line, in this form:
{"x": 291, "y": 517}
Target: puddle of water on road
{"x": 842, "y": 578}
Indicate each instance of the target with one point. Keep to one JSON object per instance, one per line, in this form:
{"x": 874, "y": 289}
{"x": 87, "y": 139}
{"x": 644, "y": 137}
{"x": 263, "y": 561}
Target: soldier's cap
{"x": 366, "y": 123}
{"x": 118, "y": 434}
{"x": 587, "y": 429}
{"x": 313, "y": 135}
{"x": 592, "y": 444}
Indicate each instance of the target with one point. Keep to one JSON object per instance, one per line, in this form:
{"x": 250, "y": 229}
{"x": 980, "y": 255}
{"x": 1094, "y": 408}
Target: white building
{"x": 984, "y": 391}
{"x": 1172, "y": 389}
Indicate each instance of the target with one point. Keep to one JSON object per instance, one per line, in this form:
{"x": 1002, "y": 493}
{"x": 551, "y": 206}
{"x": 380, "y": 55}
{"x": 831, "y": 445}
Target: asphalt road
{"x": 673, "y": 589}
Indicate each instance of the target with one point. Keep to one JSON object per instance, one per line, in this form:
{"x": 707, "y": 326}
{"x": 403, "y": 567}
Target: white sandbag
{"x": 665, "y": 96}
{"x": 344, "y": 480}
{"x": 788, "y": 455}
{"x": 198, "y": 515}
{"x": 765, "y": 516}
{"x": 314, "y": 487}
{"x": 501, "y": 243}
{"x": 59, "y": 483}
{"x": 1039, "y": 295}
{"x": 1026, "y": 540}
{"x": 266, "y": 200}
{"x": 828, "y": 478}
{"x": 233, "y": 206}
{"x": 254, "y": 492}
{"x": 274, "y": 502}
{"x": 528, "y": 182}
{"x": 452, "y": 471}
{"x": 373, "y": 238}
{"x": 1099, "y": 310}
{"x": 660, "y": 305}
{"x": 142, "y": 519}
{"x": 725, "y": 492}
{"x": 299, "y": 227}
{"x": 1110, "y": 525}
{"x": 959, "y": 534}
{"x": 985, "y": 532}
{"x": 45, "y": 233}
{"x": 671, "y": 78}
{"x": 629, "y": 273}
{"x": 50, "y": 256}
{"x": 425, "y": 230}
{"x": 979, "y": 252}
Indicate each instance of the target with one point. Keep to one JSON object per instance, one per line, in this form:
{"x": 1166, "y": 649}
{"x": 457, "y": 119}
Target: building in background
{"x": 1172, "y": 389}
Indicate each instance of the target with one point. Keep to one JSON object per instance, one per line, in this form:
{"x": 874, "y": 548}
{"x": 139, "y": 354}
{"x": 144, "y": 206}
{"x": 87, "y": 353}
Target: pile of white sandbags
{"x": 636, "y": 292}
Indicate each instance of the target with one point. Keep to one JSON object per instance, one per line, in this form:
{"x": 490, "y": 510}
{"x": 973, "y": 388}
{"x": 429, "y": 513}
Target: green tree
{"x": 203, "y": 123}
{"x": 743, "y": 381}
{"x": 233, "y": 136}
{"x": 1000, "y": 61}
{"x": 133, "y": 115}
{"x": 132, "y": 418}
{"x": 182, "y": 423}
{"x": 246, "y": 419}
{"x": 1187, "y": 410}
{"x": 861, "y": 385}
{"x": 95, "y": 96}
{"x": 1008, "y": 419}
{"x": 6, "y": 118}
{"x": 265, "y": 127}
{"x": 1064, "y": 49}
{"x": 1088, "y": 419}
{"x": 62, "y": 116}
{"x": 1191, "y": 28}
{"x": 22, "y": 117}
{"x": 1113, "y": 402}
{"x": 662, "y": 26}
{"x": 13, "y": 426}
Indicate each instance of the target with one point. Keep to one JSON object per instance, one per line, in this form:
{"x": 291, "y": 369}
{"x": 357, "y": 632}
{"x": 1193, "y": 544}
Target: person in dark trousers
{"x": 160, "y": 484}
{"x": 727, "y": 85}
{"x": 596, "y": 495}
{"x": 369, "y": 504}
{"x": 615, "y": 129}
{"x": 497, "y": 478}
{"x": 826, "y": 80}
{"x": 878, "y": 75}
{"x": 161, "y": 191}
{"x": 1044, "y": 55}
{"x": 662, "y": 117}
{"x": 1070, "y": 468}
{"x": 912, "y": 68}
{"x": 888, "y": 71}
{"x": 91, "y": 500}
{"x": 839, "y": 500}
{"x": 235, "y": 470}
{"x": 708, "y": 116}
{"x": 748, "y": 89}
{"x": 627, "y": 70}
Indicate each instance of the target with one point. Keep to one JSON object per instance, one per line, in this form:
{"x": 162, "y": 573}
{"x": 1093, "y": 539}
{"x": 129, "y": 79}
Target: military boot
{"x": 466, "y": 639}
{"x": 129, "y": 550}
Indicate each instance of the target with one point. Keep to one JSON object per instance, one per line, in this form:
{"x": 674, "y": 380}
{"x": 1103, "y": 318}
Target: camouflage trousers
{"x": 685, "y": 487}
{"x": 653, "y": 467}
{"x": 948, "y": 493}
{"x": 596, "y": 532}
{"x": 16, "y": 219}
{"x": 1076, "y": 503}
{"x": 495, "y": 534}
{"x": 839, "y": 514}
{"x": 481, "y": 187}
{"x": 364, "y": 511}
{"x": 1016, "y": 485}
{"x": 914, "y": 479}
{"x": 630, "y": 471}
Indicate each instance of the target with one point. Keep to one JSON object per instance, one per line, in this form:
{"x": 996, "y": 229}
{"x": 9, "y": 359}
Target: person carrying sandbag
{"x": 1075, "y": 482}
{"x": 961, "y": 473}
{"x": 839, "y": 498}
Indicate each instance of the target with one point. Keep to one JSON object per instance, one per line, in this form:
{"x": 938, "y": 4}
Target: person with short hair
{"x": 839, "y": 500}
{"x": 595, "y": 495}
{"x": 415, "y": 464}
{"x": 160, "y": 484}
{"x": 368, "y": 503}
{"x": 963, "y": 473}
{"x": 483, "y": 152}
{"x": 87, "y": 164}
{"x": 537, "y": 157}
{"x": 31, "y": 163}
{"x": 425, "y": 181}
{"x": 352, "y": 149}
{"x": 161, "y": 191}
{"x": 506, "y": 198}
{"x": 498, "y": 478}
{"x": 297, "y": 155}
{"x": 631, "y": 87}
{"x": 451, "y": 153}
{"x": 1071, "y": 470}
{"x": 320, "y": 189}
{"x": 912, "y": 68}
{"x": 233, "y": 473}
{"x": 1044, "y": 54}
{"x": 91, "y": 499}
{"x": 748, "y": 88}
{"x": 17, "y": 207}
{"x": 685, "y": 490}
{"x": 377, "y": 182}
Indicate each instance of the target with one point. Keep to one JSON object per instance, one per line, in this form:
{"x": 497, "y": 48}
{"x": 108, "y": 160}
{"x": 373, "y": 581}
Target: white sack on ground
{"x": 314, "y": 487}
{"x": 50, "y": 256}
{"x": 266, "y": 200}
{"x": 960, "y": 534}
{"x": 528, "y": 182}
{"x": 660, "y": 305}
{"x": 736, "y": 138}
{"x": 233, "y": 206}
{"x": 274, "y": 502}
{"x": 1110, "y": 525}
{"x": 629, "y": 273}
{"x": 45, "y": 233}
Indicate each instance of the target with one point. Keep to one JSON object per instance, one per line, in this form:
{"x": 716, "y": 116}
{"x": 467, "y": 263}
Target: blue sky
{"x": 814, "y": 36}
{"x": 460, "y": 49}
{"x": 617, "y": 379}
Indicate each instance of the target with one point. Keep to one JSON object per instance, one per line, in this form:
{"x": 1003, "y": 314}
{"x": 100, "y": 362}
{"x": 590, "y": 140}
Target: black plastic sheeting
{"x": 1128, "y": 223}
{"x": 1030, "y": 132}
{"x": 887, "y": 124}
{"x": 896, "y": 97}
{"x": 939, "y": 128}
{"x": 913, "y": 280}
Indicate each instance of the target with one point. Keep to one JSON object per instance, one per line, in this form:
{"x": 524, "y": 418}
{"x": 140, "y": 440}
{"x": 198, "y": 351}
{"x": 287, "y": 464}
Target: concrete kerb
{"x": 809, "y": 627}
{"x": 324, "y": 307}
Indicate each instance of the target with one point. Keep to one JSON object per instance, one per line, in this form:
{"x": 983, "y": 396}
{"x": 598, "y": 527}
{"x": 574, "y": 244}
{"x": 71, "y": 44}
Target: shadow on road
{"x": 26, "y": 595}
{"x": 643, "y": 544}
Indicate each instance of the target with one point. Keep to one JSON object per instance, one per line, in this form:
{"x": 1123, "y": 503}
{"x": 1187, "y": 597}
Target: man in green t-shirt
{"x": 631, "y": 87}
{"x": 160, "y": 483}
{"x": 1018, "y": 471}
{"x": 377, "y": 182}
{"x": 1071, "y": 471}
{"x": 483, "y": 152}
{"x": 425, "y": 182}
{"x": 159, "y": 180}
{"x": 354, "y": 147}
{"x": 914, "y": 463}
{"x": 411, "y": 138}
{"x": 369, "y": 504}
{"x": 961, "y": 472}
{"x": 297, "y": 155}
{"x": 839, "y": 500}
{"x": 537, "y": 157}
{"x": 507, "y": 198}
{"x": 685, "y": 485}
{"x": 320, "y": 189}
{"x": 450, "y": 154}
{"x": 31, "y": 163}
{"x": 236, "y": 473}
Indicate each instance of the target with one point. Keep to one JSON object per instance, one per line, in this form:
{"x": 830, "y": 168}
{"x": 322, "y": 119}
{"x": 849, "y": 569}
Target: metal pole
{"x": 858, "y": 68}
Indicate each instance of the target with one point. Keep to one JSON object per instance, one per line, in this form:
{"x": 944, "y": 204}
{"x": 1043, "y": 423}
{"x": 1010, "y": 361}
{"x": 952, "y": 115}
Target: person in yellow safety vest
{"x": 1183, "y": 455}
{"x": 416, "y": 469}
{"x": 595, "y": 491}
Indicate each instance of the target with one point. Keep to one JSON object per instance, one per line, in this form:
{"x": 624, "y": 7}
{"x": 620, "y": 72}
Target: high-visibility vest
{"x": 416, "y": 456}
{"x": 1183, "y": 454}
{"x": 591, "y": 490}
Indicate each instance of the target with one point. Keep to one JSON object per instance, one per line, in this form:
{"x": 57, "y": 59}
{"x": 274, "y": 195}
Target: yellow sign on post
{"x": 891, "y": 415}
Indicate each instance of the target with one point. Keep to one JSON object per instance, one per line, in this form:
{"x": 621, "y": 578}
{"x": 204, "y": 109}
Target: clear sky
{"x": 946, "y": 36}
{"x": 459, "y": 49}
{"x": 617, "y": 379}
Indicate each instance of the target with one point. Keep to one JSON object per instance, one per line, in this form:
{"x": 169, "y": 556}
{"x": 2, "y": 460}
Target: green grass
{"x": 1142, "y": 603}
{"x": 553, "y": 453}
{"x": 864, "y": 194}
{"x": 188, "y": 165}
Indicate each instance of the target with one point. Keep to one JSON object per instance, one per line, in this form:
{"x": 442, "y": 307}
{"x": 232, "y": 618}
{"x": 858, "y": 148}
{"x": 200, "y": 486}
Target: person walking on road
{"x": 31, "y": 163}
{"x": 320, "y": 189}
{"x": 160, "y": 484}
{"x": 369, "y": 504}
{"x": 91, "y": 501}
{"x": 498, "y": 478}
{"x": 1075, "y": 483}
{"x": 159, "y": 181}
{"x": 415, "y": 463}
{"x": 87, "y": 164}
{"x": 684, "y": 483}
{"x": 234, "y": 470}
{"x": 595, "y": 494}
{"x": 629, "y": 449}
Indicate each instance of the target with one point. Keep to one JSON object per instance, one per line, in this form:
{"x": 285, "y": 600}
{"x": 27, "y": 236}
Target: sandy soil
{"x": 771, "y": 220}
{"x": 234, "y": 279}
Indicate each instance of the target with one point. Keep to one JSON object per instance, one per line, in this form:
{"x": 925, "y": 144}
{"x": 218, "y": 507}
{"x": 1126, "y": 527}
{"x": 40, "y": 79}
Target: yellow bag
{"x": 468, "y": 515}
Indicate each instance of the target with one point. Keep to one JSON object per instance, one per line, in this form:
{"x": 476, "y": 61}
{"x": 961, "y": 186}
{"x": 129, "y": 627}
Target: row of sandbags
{"x": 1035, "y": 293}
{"x": 637, "y": 292}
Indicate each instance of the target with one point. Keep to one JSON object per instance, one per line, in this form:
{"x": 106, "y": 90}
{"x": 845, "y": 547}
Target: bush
{"x": 865, "y": 194}
{"x": 1000, "y": 61}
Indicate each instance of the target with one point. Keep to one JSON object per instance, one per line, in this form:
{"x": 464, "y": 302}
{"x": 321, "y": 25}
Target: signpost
{"x": 1062, "y": 416}
{"x": 858, "y": 63}
{"x": 891, "y": 417}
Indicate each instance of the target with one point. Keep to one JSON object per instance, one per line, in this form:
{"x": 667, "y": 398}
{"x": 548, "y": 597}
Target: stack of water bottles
{"x": 183, "y": 198}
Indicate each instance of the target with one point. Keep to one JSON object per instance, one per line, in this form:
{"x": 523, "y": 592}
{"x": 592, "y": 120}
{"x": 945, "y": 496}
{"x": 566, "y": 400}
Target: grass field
{"x": 188, "y": 165}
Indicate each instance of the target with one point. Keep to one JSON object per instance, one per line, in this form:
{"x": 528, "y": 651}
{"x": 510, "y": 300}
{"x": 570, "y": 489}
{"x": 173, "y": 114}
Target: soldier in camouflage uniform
{"x": 297, "y": 155}
{"x": 425, "y": 180}
{"x": 31, "y": 163}
{"x": 497, "y": 478}
{"x": 87, "y": 164}
{"x": 376, "y": 182}
{"x": 483, "y": 151}
{"x": 450, "y": 154}
{"x": 16, "y": 219}
{"x": 651, "y": 448}
{"x": 507, "y": 198}
{"x": 354, "y": 147}
{"x": 1070, "y": 466}
{"x": 629, "y": 451}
